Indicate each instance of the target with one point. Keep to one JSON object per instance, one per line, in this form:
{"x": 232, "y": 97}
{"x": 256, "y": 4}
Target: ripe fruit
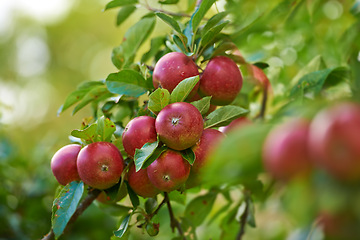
{"x": 179, "y": 125}
{"x": 140, "y": 183}
{"x": 222, "y": 80}
{"x": 138, "y": 131}
{"x": 208, "y": 141}
{"x": 335, "y": 140}
{"x": 100, "y": 165}
{"x": 285, "y": 151}
{"x": 172, "y": 68}
{"x": 63, "y": 164}
{"x": 237, "y": 123}
{"x": 169, "y": 171}
{"x": 260, "y": 76}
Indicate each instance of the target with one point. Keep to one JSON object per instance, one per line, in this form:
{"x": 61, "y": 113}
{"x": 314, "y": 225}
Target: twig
{"x": 174, "y": 223}
{"x": 264, "y": 101}
{"x": 92, "y": 195}
{"x": 158, "y": 208}
{"x": 243, "y": 220}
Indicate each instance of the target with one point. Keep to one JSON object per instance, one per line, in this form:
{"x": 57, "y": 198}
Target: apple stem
{"x": 92, "y": 195}
{"x": 174, "y": 223}
{"x": 263, "y": 103}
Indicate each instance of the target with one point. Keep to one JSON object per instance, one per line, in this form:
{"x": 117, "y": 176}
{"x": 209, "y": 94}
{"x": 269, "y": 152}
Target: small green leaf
{"x": 105, "y": 129}
{"x": 170, "y": 21}
{"x": 224, "y": 115}
{"x": 124, "y": 13}
{"x": 158, "y": 100}
{"x": 199, "y": 208}
{"x": 158, "y": 151}
{"x": 120, "y": 3}
{"x": 202, "y": 105}
{"x": 180, "y": 44}
{"x": 182, "y": 90}
{"x": 212, "y": 33}
{"x": 123, "y": 226}
{"x": 96, "y": 94}
{"x": 65, "y": 205}
{"x": 88, "y": 134}
{"x": 133, "y": 196}
{"x": 200, "y": 13}
{"x": 155, "y": 45}
{"x": 126, "y": 82}
{"x": 212, "y": 22}
{"x": 177, "y": 196}
{"x": 143, "y": 154}
{"x": 315, "y": 64}
{"x": 150, "y": 205}
{"x": 189, "y": 155}
{"x": 113, "y": 209}
{"x": 168, "y": 1}
{"x": 251, "y": 213}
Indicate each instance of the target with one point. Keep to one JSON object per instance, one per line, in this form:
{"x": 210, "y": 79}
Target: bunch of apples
{"x": 178, "y": 126}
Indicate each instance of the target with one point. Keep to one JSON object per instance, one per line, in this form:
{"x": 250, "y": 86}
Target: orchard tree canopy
{"x": 174, "y": 119}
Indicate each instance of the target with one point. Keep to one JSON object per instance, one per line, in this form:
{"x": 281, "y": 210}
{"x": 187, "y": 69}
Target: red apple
{"x": 208, "y": 141}
{"x": 138, "y": 131}
{"x": 169, "y": 171}
{"x": 222, "y": 80}
{"x": 260, "y": 76}
{"x": 235, "y": 124}
{"x": 285, "y": 151}
{"x": 335, "y": 140}
{"x": 63, "y": 164}
{"x": 179, "y": 125}
{"x": 100, "y": 165}
{"x": 140, "y": 183}
{"x": 172, "y": 68}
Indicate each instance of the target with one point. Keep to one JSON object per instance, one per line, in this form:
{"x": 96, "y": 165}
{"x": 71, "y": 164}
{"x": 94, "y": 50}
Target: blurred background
{"x": 48, "y": 47}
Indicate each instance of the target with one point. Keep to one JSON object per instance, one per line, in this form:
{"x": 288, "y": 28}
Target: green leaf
{"x": 143, "y": 154}
{"x": 124, "y": 13}
{"x": 126, "y": 82}
{"x": 180, "y": 44}
{"x": 158, "y": 100}
{"x": 78, "y": 94}
{"x": 182, "y": 90}
{"x": 123, "y": 226}
{"x": 314, "y": 82}
{"x": 199, "y": 208}
{"x": 224, "y": 115}
{"x": 251, "y": 213}
{"x": 96, "y": 94}
{"x": 155, "y": 45}
{"x": 150, "y": 205}
{"x": 158, "y": 151}
{"x": 105, "y": 129}
{"x": 202, "y": 105}
{"x": 315, "y": 64}
{"x": 177, "y": 196}
{"x": 168, "y": 1}
{"x": 120, "y": 3}
{"x": 170, "y": 21}
{"x": 212, "y": 22}
{"x": 65, "y": 205}
{"x": 189, "y": 155}
{"x": 133, "y": 196}
{"x": 200, "y": 13}
{"x": 89, "y": 134}
{"x": 113, "y": 209}
{"x": 123, "y": 55}
{"x": 212, "y": 33}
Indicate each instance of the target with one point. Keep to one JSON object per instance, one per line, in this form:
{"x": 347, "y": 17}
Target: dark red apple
{"x": 335, "y": 140}
{"x": 235, "y": 124}
{"x": 169, "y": 171}
{"x": 260, "y": 76}
{"x": 172, "y": 68}
{"x": 222, "y": 80}
{"x": 100, "y": 165}
{"x": 285, "y": 151}
{"x": 203, "y": 148}
{"x": 63, "y": 164}
{"x": 140, "y": 183}
{"x": 179, "y": 125}
{"x": 138, "y": 131}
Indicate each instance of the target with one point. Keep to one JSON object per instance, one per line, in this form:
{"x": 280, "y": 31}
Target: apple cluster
{"x": 331, "y": 141}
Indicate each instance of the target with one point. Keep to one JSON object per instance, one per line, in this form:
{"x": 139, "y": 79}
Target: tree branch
{"x": 174, "y": 223}
{"x": 92, "y": 195}
{"x": 243, "y": 220}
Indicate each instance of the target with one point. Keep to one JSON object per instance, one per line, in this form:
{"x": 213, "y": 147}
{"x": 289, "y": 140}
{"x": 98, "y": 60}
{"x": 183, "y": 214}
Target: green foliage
{"x": 202, "y": 105}
{"x": 223, "y": 116}
{"x": 188, "y": 155}
{"x": 123, "y": 226}
{"x": 158, "y": 100}
{"x": 126, "y": 82}
{"x": 199, "y": 208}
{"x": 183, "y": 89}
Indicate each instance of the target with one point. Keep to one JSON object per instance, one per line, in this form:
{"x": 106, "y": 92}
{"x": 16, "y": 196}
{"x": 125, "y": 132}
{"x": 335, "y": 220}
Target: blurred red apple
{"x": 179, "y": 125}
{"x": 100, "y": 165}
{"x": 260, "y": 76}
{"x": 140, "y": 183}
{"x": 63, "y": 164}
{"x": 138, "y": 131}
{"x": 222, "y": 80}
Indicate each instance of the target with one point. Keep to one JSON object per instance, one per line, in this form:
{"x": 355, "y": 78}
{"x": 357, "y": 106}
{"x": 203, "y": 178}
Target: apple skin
{"x": 138, "y": 131}
{"x": 172, "y": 68}
{"x": 260, "y": 76}
{"x": 222, "y": 80}
{"x": 235, "y": 124}
{"x": 140, "y": 183}
{"x": 179, "y": 125}
{"x": 334, "y": 140}
{"x": 285, "y": 150}
{"x": 63, "y": 164}
{"x": 100, "y": 165}
{"x": 339, "y": 225}
{"x": 203, "y": 148}
{"x": 169, "y": 171}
